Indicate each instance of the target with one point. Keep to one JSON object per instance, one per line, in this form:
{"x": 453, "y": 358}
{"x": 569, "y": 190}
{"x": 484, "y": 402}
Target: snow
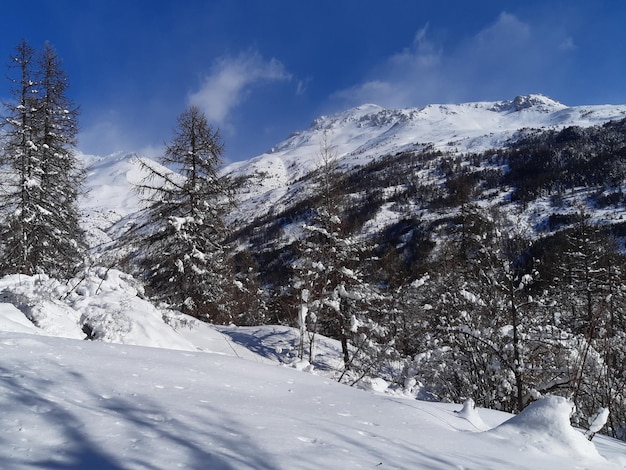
{"x": 598, "y": 421}
{"x": 11, "y": 319}
{"x": 544, "y": 425}
{"x": 109, "y": 180}
{"x": 161, "y": 390}
{"x": 470, "y": 413}
{"x": 361, "y": 134}
{"x": 75, "y": 404}
{"x": 110, "y": 195}
{"x": 357, "y": 136}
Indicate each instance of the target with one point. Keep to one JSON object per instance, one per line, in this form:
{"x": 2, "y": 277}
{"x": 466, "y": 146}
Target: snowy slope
{"x": 69, "y": 404}
{"x": 108, "y": 180}
{"x": 109, "y": 192}
{"x": 160, "y": 390}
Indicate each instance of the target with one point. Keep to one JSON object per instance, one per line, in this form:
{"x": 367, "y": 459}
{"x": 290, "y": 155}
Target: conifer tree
{"x": 185, "y": 260}
{"x": 334, "y": 299}
{"x": 42, "y": 175}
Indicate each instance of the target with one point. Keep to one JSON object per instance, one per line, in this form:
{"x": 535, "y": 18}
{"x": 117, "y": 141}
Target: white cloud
{"x": 103, "y": 137}
{"x": 108, "y": 132}
{"x": 229, "y": 83}
{"x": 373, "y": 91}
{"x": 231, "y": 80}
{"x": 568, "y": 44}
{"x": 506, "y": 33}
{"x": 422, "y": 54}
{"x": 506, "y": 58}
{"x": 302, "y": 86}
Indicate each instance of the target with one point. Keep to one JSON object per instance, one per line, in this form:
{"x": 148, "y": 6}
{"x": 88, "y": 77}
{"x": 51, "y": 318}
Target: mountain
{"x": 358, "y": 137}
{"x": 414, "y": 163}
{"x": 362, "y": 134}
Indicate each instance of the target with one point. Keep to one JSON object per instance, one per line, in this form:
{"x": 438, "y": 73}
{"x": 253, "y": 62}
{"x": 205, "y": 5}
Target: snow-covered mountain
{"x": 357, "y": 136}
{"x": 280, "y": 178}
{"x": 364, "y": 133}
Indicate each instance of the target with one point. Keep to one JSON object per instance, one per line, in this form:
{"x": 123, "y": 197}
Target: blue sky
{"x": 261, "y": 69}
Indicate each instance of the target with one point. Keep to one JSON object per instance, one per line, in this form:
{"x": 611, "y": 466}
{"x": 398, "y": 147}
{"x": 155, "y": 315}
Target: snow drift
{"x": 544, "y": 426}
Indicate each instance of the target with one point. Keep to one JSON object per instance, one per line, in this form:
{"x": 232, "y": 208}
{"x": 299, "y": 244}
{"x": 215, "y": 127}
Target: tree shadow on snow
{"x": 45, "y": 430}
{"x": 211, "y": 440}
{"x": 276, "y": 345}
{"x": 37, "y": 426}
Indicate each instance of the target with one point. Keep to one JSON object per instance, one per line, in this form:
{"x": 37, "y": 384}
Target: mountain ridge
{"x": 357, "y": 136}
{"x": 361, "y": 134}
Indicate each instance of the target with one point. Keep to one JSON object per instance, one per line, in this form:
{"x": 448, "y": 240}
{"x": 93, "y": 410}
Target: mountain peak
{"x": 534, "y": 101}
{"x": 357, "y": 113}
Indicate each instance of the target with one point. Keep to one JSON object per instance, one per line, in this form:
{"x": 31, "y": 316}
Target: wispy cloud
{"x": 107, "y": 132}
{"x": 507, "y": 57}
{"x": 231, "y": 80}
{"x": 97, "y": 136}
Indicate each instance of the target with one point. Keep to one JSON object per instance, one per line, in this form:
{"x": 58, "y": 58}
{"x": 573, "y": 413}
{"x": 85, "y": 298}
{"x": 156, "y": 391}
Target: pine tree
{"x": 43, "y": 177}
{"x": 334, "y": 298}
{"x": 185, "y": 259}
{"x": 17, "y": 159}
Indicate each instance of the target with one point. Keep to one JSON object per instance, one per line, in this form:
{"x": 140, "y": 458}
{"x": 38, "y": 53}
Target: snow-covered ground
{"x": 181, "y": 394}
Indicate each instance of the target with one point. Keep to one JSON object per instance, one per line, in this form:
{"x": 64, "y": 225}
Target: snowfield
{"x": 228, "y": 398}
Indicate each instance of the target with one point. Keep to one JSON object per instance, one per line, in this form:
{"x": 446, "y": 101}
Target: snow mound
{"x": 105, "y": 305}
{"x": 545, "y": 426}
{"x": 12, "y": 319}
{"x": 38, "y": 300}
{"x": 470, "y": 413}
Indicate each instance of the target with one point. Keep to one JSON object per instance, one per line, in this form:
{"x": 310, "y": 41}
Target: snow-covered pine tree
{"x": 62, "y": 177}
{"x": 42, "y": 175}
{"x": 183, "y": 253}
{"x": 335, "y": 299}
